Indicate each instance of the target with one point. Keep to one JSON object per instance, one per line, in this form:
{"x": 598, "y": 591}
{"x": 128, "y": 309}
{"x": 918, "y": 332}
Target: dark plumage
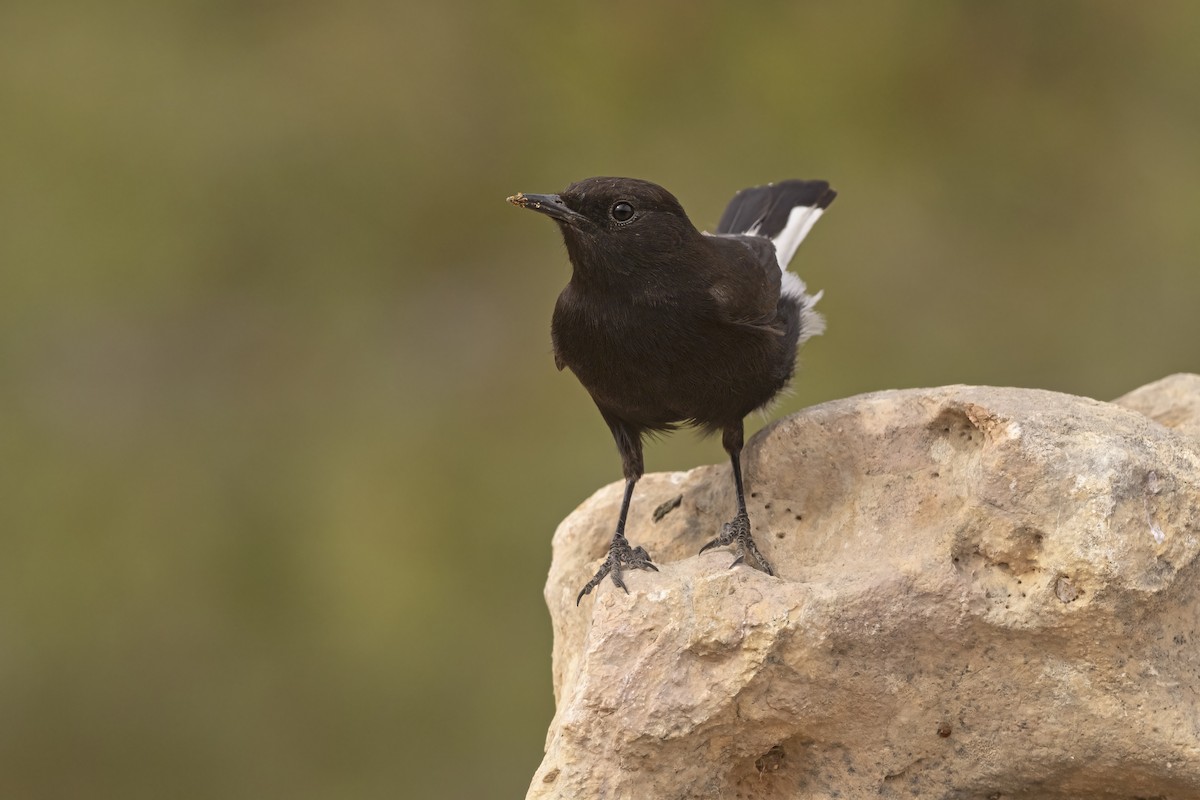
{"x": 664, "y": 325}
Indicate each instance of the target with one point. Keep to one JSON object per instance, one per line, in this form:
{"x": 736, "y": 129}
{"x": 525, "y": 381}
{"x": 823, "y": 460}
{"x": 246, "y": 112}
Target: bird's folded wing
{"x": 745, "y": 288}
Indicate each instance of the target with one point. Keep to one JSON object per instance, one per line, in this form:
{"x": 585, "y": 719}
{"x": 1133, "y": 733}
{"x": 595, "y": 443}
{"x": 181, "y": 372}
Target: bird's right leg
{"x": 736, "y": 532}
{"x": 620, "y": 555}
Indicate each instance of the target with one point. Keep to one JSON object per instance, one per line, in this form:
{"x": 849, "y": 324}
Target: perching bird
{"x": 667, "y": 326}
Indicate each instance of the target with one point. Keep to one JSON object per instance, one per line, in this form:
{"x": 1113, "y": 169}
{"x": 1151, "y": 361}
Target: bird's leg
{"x": 736, "y": 532}
{"x": 620, "y": 555}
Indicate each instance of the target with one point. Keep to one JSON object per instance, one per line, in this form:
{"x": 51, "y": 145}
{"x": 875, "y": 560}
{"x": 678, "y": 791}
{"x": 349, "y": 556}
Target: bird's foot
{"x": 736, "y": 532}
{"x": 620, "y": 557}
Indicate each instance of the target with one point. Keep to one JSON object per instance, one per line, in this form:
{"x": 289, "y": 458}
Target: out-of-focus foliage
{"x": 283, "y": 445}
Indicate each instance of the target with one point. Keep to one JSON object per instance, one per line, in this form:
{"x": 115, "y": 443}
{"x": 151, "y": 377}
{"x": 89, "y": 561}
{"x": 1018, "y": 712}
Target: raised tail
{"x": 783, "y": 212}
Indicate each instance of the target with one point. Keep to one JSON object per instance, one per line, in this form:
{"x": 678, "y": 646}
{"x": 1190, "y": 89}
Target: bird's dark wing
{"x": 744, "y": 280}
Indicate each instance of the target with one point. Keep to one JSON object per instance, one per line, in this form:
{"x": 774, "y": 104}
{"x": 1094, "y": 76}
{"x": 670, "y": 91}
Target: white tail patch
{"x": 800, "y": 222}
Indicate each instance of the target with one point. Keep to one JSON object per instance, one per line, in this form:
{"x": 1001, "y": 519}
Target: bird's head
{"x": 615, "y": 225}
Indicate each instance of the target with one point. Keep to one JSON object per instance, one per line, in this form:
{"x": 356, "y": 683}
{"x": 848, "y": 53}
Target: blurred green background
{"x": 283, "y": 442}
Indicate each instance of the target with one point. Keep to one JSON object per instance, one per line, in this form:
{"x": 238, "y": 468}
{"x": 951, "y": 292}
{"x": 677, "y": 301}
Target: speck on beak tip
{"x": 551, "y": 205}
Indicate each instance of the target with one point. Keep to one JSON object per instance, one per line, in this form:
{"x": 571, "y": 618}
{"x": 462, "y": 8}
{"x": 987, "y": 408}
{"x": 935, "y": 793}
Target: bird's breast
{"x": 620, "y": 342}
{"x": 666, "y": 361}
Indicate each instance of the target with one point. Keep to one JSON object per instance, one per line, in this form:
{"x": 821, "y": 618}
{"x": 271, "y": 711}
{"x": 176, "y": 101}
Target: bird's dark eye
{"x": 622, "y": 212}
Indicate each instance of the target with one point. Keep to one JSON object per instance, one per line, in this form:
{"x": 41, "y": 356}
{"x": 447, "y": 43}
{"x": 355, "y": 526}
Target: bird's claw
{"x": 736, "y": 532}
{"x": 620, "y": 557}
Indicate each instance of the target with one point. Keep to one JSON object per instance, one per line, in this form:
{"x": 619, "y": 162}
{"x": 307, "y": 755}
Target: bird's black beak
{"x": 549, "y": 204}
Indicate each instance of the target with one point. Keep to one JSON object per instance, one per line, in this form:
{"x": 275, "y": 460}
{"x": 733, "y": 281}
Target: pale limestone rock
{"x": 983, "y": 593}
{"x": 1173, "y": 401}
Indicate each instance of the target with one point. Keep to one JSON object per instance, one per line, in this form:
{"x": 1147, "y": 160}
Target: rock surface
{"x": 1173, "y": 401}
{"x": 983, "y": 593}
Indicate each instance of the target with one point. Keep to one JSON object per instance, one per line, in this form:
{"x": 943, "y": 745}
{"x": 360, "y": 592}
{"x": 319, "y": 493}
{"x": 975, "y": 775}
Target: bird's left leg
{"x": 621, "y": 555}
{"x": 736, "y": 532}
